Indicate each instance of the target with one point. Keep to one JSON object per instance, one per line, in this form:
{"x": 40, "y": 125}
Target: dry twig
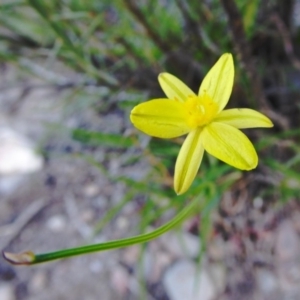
{"x": 14, "y": 229}
{"x": 287, "y": 40}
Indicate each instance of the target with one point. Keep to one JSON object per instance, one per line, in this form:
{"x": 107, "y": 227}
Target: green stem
{"x": 30, "y": 258}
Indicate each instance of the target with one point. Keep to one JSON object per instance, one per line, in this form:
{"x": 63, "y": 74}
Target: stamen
{"x": 200, "y": 110}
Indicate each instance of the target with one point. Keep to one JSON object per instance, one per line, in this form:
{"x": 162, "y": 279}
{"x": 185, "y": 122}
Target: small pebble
{"x": 120, "y": 280}
{"x": 184, "y": 280}
{"x": 91, "y": 190}
{"x": 56, "y": 223}
{"x": 7, "y": 292}
{"x": 38, "y": 282}
{"x": 181, "y": 244}
{"x": 17, "y": 156}
{"x": 258, "y": 202}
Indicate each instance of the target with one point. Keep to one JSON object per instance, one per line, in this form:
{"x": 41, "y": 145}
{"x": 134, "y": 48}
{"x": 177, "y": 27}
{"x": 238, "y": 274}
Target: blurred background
{"x": 74, "y": 171}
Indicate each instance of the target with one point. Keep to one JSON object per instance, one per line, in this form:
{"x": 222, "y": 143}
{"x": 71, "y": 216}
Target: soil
{"x": 256, "y": 245}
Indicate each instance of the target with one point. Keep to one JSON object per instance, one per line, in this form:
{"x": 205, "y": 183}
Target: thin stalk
{"x": 29, "y": 258}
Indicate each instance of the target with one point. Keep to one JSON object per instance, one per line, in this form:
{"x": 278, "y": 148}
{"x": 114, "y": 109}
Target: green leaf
{"x": 99, "y": 138}
{"x": 249, "y": 11}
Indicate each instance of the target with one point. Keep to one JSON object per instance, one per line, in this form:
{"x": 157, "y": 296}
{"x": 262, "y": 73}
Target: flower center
{"x": 200, "y": 110}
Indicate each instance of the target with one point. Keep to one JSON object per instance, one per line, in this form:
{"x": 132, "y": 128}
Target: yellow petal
{"x": 188, "y": 161}
{"x": 160, "y": 118}
{"x": 174, "y": 88}
{"x": 243, "y": 118}
{"x": 219, "y": 81}
{"x": 229, "y": 145}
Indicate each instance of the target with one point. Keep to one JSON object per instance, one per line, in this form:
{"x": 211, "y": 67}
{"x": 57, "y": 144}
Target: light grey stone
{"x": 266, "y": 281}
{"x": 184, "y": 280}
{"x": 17, "y": 155}
{"x": 7, "y": 292}
{"x": 181, "y": 244}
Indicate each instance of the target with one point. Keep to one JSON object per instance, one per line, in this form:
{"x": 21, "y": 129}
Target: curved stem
{"x": 30, "y": 258}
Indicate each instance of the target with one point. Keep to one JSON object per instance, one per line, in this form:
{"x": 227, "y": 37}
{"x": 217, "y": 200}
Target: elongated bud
{"x": 24, "y": 258}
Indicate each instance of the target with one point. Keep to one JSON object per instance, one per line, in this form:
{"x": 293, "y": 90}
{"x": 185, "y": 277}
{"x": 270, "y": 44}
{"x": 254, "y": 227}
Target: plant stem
{"x": 30, "y": 258}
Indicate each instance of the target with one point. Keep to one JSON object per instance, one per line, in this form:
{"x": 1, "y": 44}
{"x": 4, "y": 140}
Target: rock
{"x": 160, "y": 262}
{"x": 131, "y": 255}
{"x": 217, "y": 248}
{"x": 181, "y": 244}
{"x": 266, "y": 281}
{"x": 96, "y": 266}
{"x": 134, "y": 254}
{"x": 296, "y": 14}
{"x": 287, "y": 250}
{"x": 10, "y": 183}
{"x": 91, "y": 190}
{"x": 122, "y": 223}
{"x": 56, "y": 223}
{"x": 184, "y": 280}
{"x": 16, "y": 154}
{"x": 7, "y": 292}
{"x": 258, "y": 202}
{"x": 287, "y": 243}
{"x": 38, "y": 282}
{"x": 120, "y": 280}
{"x": 87, "y": 215}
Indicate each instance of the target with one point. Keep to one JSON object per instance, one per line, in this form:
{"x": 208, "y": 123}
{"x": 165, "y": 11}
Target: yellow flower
{"x": 202, "y": 117}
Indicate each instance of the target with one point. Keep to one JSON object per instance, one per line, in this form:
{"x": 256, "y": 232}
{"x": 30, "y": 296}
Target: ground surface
{"x": 254, "y": 254}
